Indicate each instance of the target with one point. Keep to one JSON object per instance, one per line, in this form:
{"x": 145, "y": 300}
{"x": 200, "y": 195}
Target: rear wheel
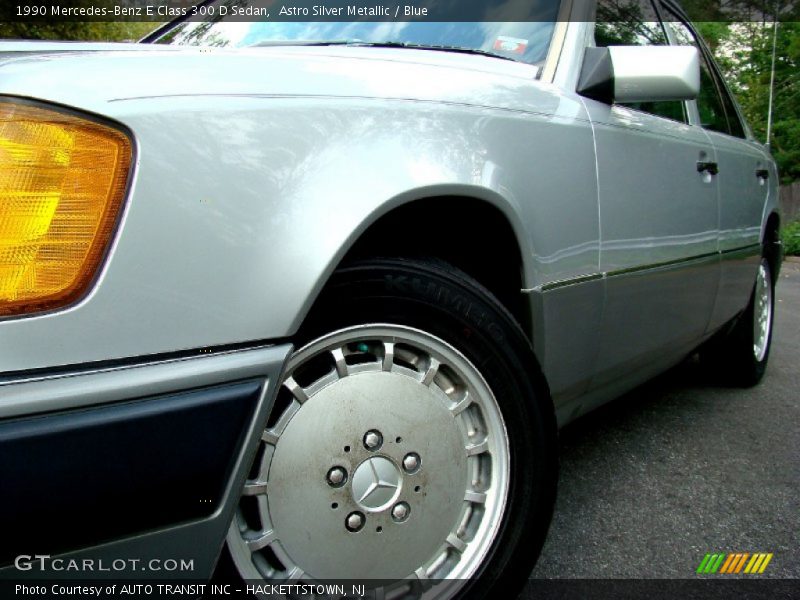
{"x": 741, "y": 356}
{"x": 413, "y": 441}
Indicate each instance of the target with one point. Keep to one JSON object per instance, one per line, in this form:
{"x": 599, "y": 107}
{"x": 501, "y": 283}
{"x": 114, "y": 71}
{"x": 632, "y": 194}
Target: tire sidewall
{"x": 449, "y": 305}
{"x": 760, "y": 366}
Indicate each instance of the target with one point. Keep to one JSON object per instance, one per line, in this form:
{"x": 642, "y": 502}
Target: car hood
{"x": 94, "y": 75}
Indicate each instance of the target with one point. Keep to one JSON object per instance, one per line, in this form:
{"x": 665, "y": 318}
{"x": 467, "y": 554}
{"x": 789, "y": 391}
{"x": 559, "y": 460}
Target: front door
{"x": 658, "y": 207}
{"x": 744, "y": 182}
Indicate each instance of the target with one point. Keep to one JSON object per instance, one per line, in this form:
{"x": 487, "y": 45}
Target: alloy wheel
{"x": 386, "y": 458}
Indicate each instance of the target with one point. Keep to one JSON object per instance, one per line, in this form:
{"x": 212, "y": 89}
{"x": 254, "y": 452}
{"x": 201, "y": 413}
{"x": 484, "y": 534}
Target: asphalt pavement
{"x": 682, "y": 467}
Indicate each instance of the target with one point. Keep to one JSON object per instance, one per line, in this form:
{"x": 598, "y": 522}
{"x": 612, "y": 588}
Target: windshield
{"x": 521, "y": 41}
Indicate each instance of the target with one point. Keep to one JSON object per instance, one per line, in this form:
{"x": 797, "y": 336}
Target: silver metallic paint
{"x": 250, "y": 188}
{"x": 655, "y": 73}
{"x": 259, "y": 168}
{"x": 82, "y": 387}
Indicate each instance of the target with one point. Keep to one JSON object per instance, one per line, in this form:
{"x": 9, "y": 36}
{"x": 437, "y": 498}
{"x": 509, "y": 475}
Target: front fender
{"x": 243, "y": 206}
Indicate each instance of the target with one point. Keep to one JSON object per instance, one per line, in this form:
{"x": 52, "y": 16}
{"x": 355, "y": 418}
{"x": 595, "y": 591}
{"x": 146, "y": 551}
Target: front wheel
{"x": 413, "y": 442}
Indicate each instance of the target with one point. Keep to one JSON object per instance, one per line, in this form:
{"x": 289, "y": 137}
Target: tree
{"x": 740, "y": 33}
{"x": 744, "y": 52}
{"x": 753, "y": 83}
{"x": 65, "y": 30}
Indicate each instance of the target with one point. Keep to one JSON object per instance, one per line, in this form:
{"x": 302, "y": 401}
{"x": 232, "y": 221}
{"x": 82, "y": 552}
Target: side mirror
{"x": 640, "y": 73}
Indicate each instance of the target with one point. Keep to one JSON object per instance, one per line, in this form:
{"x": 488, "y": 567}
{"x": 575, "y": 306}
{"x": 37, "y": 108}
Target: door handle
{"x": 762, "y": 174}
{"x": 711, "y": 168}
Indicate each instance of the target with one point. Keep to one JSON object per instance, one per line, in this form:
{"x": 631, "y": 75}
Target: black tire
{"x": 442, "y": 301}
{"x": 732, "y": 355}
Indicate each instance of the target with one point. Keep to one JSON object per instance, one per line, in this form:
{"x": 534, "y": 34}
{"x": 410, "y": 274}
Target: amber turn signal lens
{"x": 62, "y": 185}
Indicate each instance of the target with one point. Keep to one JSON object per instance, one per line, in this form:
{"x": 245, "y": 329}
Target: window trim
{"x": 721, "y": 86}
{"x": 555, "y": 54}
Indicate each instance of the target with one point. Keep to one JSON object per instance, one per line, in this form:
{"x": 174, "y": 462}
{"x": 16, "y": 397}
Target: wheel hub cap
{"x": 376, "y": 483}
{"x": 336, "y": 417}
{"x": 762, "y": 317}
{"x": 389, "y": 460}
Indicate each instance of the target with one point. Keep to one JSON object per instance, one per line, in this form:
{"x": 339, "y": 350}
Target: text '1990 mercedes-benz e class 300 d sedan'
{"x": 308, "y": 301}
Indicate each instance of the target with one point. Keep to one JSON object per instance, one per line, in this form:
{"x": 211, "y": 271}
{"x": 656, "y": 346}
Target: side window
{"x": 734, "y": 122}
{"x": 717, "y": 111}
{"x": 635, "y": 23}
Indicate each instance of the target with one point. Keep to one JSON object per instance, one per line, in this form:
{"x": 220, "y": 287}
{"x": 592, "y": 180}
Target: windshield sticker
{"x": 510, "y": 44}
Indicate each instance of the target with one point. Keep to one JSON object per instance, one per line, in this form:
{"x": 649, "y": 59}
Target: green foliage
{"x": 740, "y": 34}
{"x": 714, "y": 33}
{"x": 791, "y": 239}
{"x": 744, "y": 53}
{"x": 750, "y": 76}
{"x": 741, "y": 11}
{"x": 62, "y": 30}
{"x": 743, "y": 50}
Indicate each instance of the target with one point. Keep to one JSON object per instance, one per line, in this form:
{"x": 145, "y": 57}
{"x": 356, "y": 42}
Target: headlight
{"x": 62, "y": 185}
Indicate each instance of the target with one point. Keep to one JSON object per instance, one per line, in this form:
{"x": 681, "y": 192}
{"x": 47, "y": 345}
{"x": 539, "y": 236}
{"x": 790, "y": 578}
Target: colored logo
{"x": 740, "y": 562}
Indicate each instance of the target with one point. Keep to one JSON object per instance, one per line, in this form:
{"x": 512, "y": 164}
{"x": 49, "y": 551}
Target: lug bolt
{"x": 354, "y": 522}
{"x": 411, "y": 462}
{"x": 400, "y": 512}
{"x": 373, "y": 440}
{"x": 337, "y": 477}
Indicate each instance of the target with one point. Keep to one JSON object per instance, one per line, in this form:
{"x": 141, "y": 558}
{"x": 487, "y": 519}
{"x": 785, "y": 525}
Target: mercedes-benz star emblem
{"x": 376, "y": 483}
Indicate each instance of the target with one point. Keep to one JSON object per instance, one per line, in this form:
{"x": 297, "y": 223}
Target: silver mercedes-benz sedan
{"x": 309, "y": 300}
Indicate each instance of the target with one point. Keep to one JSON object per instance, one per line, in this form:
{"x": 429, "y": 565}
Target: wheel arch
{"x": 771, "y": 241}
{"x": 474, "y": 229}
